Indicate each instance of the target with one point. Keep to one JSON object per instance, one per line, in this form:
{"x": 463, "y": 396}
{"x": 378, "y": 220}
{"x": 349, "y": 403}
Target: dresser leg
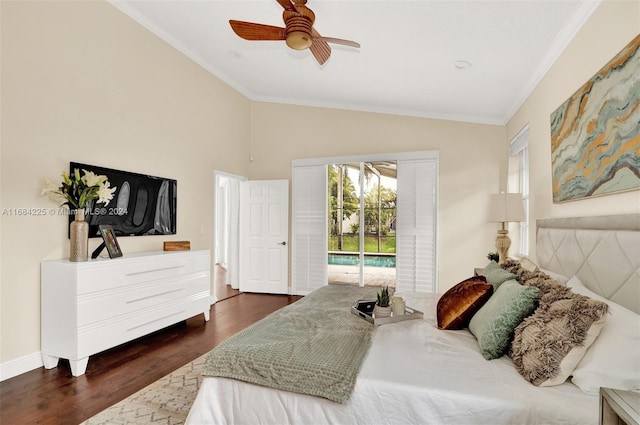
{"x": 207, "y": 315}
{"x": 79, "y": 367}
{"x": 49, "y": 361}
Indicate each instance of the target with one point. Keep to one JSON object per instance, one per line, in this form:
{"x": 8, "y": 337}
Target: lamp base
{"x": 503, "y": 243}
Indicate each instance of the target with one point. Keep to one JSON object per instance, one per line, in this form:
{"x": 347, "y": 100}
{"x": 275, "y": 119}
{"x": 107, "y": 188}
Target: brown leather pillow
{"x": 458, "y": 305}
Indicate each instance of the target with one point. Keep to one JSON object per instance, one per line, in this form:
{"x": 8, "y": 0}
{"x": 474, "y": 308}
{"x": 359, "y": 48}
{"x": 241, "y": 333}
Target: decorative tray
{"x": 409, "y": 314}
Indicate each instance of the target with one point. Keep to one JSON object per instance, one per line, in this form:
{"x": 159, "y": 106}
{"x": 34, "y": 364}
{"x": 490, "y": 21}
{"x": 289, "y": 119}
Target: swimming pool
{"x": 369, "y": 260}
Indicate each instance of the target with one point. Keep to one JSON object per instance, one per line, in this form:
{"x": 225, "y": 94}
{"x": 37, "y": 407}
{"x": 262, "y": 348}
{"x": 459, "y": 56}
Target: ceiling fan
{"x": 298, "y": 33}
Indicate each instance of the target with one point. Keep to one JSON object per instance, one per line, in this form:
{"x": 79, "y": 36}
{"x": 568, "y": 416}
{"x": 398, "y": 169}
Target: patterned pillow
{"x": 460, "y": 303}
{"x": 496, "y": 276}
{"x": 548, "y": 345}
{"x": 494, "y": 323}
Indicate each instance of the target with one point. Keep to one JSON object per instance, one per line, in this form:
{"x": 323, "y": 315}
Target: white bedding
{"x": 413, "y": 374}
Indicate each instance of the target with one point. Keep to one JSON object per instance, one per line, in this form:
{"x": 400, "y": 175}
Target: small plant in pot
{"x": 383, "y": 303}
{"x": 493, "y": 256}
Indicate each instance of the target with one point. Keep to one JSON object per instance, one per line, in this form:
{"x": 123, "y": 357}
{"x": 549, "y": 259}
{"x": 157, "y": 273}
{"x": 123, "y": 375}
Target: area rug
{"x": 166, "y": 401}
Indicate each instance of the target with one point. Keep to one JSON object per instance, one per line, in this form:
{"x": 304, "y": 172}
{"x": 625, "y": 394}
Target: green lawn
{"x": 352, "y": 243}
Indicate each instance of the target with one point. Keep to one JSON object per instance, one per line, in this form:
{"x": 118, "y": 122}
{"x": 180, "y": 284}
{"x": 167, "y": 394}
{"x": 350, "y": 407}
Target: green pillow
{"x": 496, "y": 276}
{"x": 494, "y": 324}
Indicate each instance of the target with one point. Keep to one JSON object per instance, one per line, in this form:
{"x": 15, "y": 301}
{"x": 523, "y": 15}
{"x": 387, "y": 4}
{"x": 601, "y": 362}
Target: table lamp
{"x": 505, "y": 208}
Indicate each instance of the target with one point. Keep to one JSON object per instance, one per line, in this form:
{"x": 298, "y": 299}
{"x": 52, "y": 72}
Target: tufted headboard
{"x": 604, "y": 252}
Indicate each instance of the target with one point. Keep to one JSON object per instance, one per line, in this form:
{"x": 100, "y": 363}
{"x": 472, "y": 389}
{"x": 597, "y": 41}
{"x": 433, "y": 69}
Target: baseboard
{"x": 20, "y": 365}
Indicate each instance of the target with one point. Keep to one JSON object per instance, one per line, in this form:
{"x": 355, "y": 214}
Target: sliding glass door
{"x": 361, "y": 223}
{"x": 365, "y": 220}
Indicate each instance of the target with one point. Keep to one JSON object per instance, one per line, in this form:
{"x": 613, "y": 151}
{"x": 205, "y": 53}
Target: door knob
{"x": 281, "y": 243}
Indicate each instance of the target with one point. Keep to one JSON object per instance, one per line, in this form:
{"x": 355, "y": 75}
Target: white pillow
{"x": 530, "y": 265}
{"x": 613, "y": 360}
{"x": 561, "y": 279}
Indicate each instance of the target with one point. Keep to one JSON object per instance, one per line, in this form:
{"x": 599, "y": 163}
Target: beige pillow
{"x": 528, "y": 264}
{"x": 548, "y": 345}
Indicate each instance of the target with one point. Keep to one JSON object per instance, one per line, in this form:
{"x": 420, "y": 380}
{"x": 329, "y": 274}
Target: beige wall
{"x": 614, "y": 24}
{"x": 83, "y": 82}
{"x": 472, "y": 160}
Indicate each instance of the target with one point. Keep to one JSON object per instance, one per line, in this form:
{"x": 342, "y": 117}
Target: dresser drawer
{"x": 107, "y": 305}
{"x": 123, "y": 273}
{"x": 101, "y": 336}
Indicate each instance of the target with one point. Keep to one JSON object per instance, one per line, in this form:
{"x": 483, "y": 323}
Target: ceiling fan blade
{"x": 338, "y": 41}
{"x": 288, "y": 5}
{"x": 320, "y": 49}
{"x": 252, "y": 31}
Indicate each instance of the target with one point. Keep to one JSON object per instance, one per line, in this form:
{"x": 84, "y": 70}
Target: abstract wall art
{"x": 595, "y": 134}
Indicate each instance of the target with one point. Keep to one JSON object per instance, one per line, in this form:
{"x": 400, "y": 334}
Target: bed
{"x": 414, "y": 372}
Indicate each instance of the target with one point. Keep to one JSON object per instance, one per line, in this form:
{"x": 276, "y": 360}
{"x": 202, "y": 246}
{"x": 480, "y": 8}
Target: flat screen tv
{"x": 141, "y": 204}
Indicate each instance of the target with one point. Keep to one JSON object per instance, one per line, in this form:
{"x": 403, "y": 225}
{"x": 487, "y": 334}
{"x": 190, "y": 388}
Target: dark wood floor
{"x": 56, "y": 397}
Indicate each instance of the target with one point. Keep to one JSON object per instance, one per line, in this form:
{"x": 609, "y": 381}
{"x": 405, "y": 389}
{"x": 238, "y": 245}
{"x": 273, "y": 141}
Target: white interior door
{"x": 264, "y": 236}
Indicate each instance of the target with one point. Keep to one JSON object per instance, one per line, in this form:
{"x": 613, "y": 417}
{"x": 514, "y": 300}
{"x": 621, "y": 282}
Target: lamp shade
{"x": 506, "y": 207}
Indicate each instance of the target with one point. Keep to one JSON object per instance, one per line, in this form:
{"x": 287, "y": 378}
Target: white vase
{"x": 79, "y": 238}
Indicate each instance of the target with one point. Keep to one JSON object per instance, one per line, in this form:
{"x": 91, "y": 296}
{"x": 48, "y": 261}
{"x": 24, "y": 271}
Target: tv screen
{"x": 141, "y": 204}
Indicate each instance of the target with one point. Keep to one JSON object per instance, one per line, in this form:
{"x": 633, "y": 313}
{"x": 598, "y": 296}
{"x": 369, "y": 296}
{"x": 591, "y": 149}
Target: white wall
{"x": 612, "y": 26}
{"x": 83, "y": 82}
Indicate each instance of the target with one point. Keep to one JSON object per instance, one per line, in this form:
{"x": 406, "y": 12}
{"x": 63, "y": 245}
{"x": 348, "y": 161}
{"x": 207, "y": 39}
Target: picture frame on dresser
{"x": 110, "y": 241}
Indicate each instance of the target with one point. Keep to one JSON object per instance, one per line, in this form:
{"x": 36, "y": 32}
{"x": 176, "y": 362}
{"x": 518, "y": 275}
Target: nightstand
{"x": 619, "y": 407}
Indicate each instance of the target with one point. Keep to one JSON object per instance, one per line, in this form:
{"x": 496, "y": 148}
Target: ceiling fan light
{"x": 299, "y": 40}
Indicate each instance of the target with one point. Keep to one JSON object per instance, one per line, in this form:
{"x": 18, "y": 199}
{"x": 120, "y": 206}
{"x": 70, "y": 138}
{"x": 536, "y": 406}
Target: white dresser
{"x": 88, "y": 307}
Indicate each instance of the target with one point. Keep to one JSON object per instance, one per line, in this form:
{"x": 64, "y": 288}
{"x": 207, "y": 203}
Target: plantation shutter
{"x": 309, "y": 228}
{"x": 416, "y": 243}
{"x": 520, "y": 142}
{"x": 519, "y": 174}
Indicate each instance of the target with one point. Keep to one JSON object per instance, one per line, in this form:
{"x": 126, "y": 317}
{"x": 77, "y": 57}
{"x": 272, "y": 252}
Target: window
{"x": 519, "y": 181}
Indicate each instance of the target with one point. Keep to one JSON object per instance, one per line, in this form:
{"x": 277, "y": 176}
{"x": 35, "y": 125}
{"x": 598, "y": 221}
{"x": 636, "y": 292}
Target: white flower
{"x": 53, "y": 192}
{"x": 105, "y": 193}
{"x": 78, "y": 191}
{"x": 92, "y": 179}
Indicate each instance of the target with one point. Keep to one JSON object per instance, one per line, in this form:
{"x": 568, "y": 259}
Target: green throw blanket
{"x": 314, "y": 346}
